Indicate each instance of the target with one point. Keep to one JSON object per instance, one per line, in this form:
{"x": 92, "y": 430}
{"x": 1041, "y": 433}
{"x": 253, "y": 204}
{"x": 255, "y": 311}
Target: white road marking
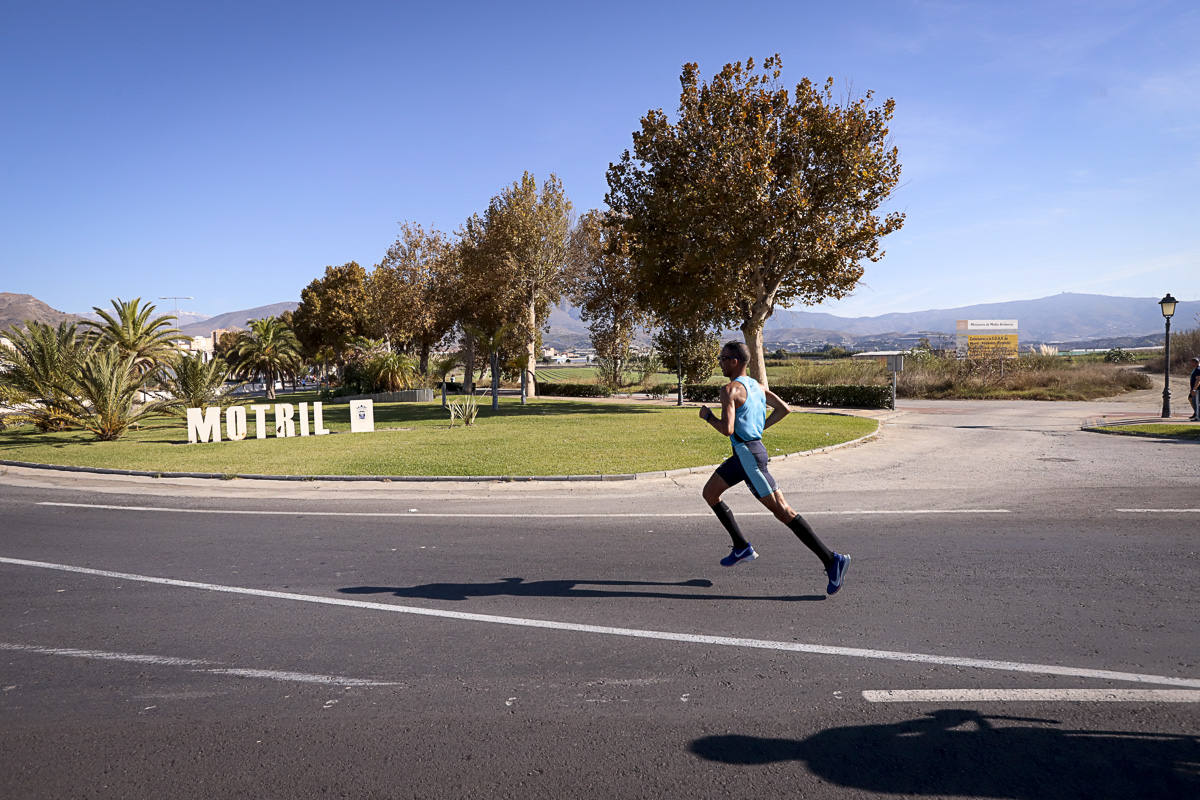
{"x": 634, "y": 633}
{"x": 1032, "y": 695}
{"x": 197, "y": 665}
{"x": 452, "y": 515}
{"x": 1158, "y": 510}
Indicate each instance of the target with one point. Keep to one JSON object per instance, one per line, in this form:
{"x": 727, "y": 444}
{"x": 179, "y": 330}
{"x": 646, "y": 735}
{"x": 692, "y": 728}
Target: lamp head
{"x": 1168, "y": 305}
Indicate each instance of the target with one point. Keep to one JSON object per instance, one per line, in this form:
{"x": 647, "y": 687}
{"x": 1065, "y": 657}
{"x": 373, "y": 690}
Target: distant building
{"x": 198, "y": 344}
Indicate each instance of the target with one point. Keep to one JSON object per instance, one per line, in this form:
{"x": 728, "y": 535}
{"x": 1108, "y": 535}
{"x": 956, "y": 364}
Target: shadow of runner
{"x": 519, "y": 587}
{"x": 959, "y": 752}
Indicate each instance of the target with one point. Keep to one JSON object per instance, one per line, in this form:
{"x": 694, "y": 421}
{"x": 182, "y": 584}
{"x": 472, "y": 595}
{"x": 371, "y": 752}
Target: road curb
{"x": 627, "y": 476}
{"x": 1097, "y": 424}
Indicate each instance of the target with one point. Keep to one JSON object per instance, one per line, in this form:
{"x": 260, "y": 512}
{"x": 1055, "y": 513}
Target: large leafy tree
{"x": 528, "y": 232}
{"x": 268, "y": 351}
{"x": 603, "y": 288}
{"x": 37, "y": 370}
{"x": 333, "y": 310}
{"x": 133, "y": 330}
{"x": 405, "y": 291}
{"x": 483, "y": 291}
{"x": 754, "y": 197}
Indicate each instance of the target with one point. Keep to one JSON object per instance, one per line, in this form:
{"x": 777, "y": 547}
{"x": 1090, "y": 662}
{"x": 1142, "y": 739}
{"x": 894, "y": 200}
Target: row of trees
{"x": 754, "y": 197}
{"x": 104, "y": 376}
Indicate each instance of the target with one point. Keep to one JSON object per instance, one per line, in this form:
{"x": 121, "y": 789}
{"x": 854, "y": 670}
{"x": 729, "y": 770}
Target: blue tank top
{"x": 751, "y": 416}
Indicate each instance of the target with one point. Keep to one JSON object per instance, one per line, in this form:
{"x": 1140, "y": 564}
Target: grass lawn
{"x": 545, "y": 437}
{"x": 1161, "y": 430}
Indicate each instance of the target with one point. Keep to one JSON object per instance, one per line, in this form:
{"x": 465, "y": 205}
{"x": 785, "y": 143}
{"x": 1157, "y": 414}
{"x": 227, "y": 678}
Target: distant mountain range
{"x": 234, "y": 320}
{"x": 1076, "y": 319}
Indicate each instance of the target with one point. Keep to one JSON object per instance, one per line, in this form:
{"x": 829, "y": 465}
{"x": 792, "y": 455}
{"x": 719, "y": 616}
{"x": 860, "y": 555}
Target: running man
{"x": 743, "y": 419}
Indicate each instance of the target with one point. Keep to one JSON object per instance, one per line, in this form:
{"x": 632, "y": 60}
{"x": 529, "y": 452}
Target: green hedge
{"x": 571, "y": 389}
{"x": 836, "y": 396}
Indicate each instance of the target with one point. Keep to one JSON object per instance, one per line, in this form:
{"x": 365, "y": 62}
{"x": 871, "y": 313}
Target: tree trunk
{"x": 469, "y": 365}
{"x": 529, "y": 373}
{"x": 679, "y": 374}
{"x": 752, "y": 331}
{"x": 495, "y": 361}
{"x": 270, "y": 385}
{"x": 424, "y": 367}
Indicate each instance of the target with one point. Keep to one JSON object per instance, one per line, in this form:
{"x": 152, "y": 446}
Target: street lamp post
{"x": 1167, "y": 304}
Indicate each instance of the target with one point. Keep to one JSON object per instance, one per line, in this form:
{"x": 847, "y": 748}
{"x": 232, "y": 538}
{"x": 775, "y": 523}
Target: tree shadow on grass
{"x": 960, "y": 752}
{"x": 519, "y": 587}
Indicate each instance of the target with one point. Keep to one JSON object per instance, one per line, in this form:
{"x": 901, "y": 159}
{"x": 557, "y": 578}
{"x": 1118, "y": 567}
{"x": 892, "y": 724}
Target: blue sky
{"x": 232, "y": 150}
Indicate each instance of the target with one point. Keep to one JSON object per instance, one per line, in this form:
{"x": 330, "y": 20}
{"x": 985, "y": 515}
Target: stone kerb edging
{"x": 627, "y": 476}
{"x": 1096, "y": 425}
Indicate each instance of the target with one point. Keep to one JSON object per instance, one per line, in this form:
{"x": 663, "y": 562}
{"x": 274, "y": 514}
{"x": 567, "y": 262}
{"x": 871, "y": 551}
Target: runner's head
{"x": 733, "y": 359}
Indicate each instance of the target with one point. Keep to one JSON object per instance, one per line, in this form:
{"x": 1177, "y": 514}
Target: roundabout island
{"x": 543, "y": 438}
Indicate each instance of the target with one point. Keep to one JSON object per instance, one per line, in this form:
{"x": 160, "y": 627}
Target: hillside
{"x": 1061, "y": 317}
{"x": 15, "y": 309}
{"x": 232, "y": 320}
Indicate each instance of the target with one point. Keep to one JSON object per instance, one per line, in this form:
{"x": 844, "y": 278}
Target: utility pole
{"x": 176, "y": 298}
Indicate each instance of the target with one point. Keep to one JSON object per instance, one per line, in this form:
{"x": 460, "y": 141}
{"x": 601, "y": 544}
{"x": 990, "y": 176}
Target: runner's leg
{"x": 713, "y": 490}
{"x": 783, "y": 512}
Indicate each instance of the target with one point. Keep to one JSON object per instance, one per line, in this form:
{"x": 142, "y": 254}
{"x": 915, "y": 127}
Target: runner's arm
{"x": 724, "y": 423}
{"x": 779, "y": 409}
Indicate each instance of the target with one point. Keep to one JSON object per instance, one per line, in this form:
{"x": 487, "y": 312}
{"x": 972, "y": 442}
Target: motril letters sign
{"x": 204, "y": 425}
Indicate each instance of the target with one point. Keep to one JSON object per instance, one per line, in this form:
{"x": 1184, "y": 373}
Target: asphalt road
{"x": 227, "y": 639}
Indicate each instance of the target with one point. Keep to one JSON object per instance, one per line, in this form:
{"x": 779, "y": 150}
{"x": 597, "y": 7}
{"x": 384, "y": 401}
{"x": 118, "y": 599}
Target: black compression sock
{"x": 806, "y": 535}
{"x": 735, "y": 533}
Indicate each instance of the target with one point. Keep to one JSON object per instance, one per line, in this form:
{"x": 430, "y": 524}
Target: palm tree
{"x": 391, "y": 372}
{"x": 101, "y": 398}
{"x": 150, "y": 340}
{"x": 268, "y": 350}
{"x": 196, "y": 383}
{"x": 37, "y": 370}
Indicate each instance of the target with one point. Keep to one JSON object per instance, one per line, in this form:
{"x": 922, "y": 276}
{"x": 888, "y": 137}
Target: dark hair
{"x": 738, "y": 350}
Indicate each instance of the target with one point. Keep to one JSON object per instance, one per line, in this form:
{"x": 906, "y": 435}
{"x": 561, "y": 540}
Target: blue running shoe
{"x": 736, "y": 556}
{"x": 837, "y": 572}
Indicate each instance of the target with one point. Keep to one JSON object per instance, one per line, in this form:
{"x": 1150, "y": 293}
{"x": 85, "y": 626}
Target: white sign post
{"x": 362, "y": 416}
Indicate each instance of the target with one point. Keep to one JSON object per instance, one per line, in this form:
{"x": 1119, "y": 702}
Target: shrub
{"x": 465, "y": 408}
{"x": 836, "y": 396}
{"x": 572, "y": 390}
{"x": 1118, "y": 356}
